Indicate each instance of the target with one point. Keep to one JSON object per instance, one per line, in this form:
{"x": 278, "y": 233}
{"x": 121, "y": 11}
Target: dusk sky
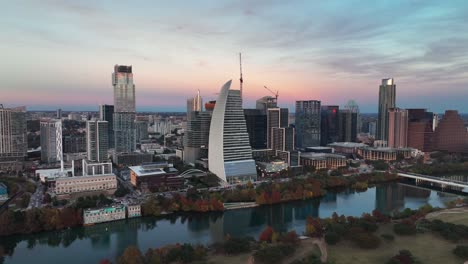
{"x": 61, "y": 53}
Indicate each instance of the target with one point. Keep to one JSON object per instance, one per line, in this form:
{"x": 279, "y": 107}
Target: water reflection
{"x": 110, "y": 239}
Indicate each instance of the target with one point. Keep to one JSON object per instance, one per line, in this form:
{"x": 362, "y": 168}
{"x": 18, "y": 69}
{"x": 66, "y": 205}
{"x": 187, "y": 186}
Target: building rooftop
{"x": 348, "y": 145}
{"x": 105, "y": 209}
{"x": 155, "y": 168}
{"x": 314, "y": 155}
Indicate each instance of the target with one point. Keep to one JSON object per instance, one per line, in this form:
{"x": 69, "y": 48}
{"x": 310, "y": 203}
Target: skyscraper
{"x": 197, "y": 130}
{"x": 329, "y": 124}
{"x": 13, "y": 138}
{"x": 106, "y": 113}
{"x": 230, "y": 154}
{"x": 349, "y": 122}
{"x": 97, "y": 143}
{"x": 276, "y": 118}
{"x": 195, "y": 104}
{"x": 141, "y": 128}
{"x": 282, "y": 138}
{"x": 451, "y": 135}
{"x": 387, "y": 97}
{"x": 51, "y": 141}
{"x": 124, "y": 109}
{"x": 307, "y": 123}
{"x": 266, "y": 102}
{"x": 256, "y": 121}
{"x": 397, "y": 128}
{"x": 420, "y": 129}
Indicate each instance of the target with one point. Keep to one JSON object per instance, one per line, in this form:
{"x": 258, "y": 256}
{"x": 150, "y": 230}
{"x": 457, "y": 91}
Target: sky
{"x": 61, "y": 53}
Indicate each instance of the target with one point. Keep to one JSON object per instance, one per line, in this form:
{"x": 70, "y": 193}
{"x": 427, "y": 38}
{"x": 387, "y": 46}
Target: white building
{"x": 230, "y": 154}
{"x": 51, "y": 141}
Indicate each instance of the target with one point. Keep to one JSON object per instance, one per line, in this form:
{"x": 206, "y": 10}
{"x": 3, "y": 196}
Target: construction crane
{"x": 240, "y": 79}
{"x": 275, "y": 94}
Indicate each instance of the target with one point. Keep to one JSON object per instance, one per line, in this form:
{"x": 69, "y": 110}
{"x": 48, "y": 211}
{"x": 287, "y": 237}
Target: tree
{"x": 461, "y": 251}
{"x": 131, "y": 255}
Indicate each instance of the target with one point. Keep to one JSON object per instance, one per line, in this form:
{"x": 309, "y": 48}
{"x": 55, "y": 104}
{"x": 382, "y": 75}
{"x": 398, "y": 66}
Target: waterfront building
{"x": 384, "y": 153}
{"x": 101, "y": 215}
{"x": 397, "y": 128}
{"x": 124, "y": 109}
{"x": 387, "y": 97}
{"x": 329, "y": 124}
{"x": 230, "y": 154}
{"x": 420, "y": 129}
{"x": 97, "y": 143}
{"x": 3, "y": 192}
{"x": 13, "y": 136}
{"x": 85, "y": 185}
{"x": 451, "y": 134}
{"x": 322, "y": 160}
{"x": 307, "y": 123}
{"x": 256, "y": 121}
{"x": 51, "y": 141}
{"x": 133, "y": 210}
{"x": 154, "y": 176}
{"x": 106, "y": 113}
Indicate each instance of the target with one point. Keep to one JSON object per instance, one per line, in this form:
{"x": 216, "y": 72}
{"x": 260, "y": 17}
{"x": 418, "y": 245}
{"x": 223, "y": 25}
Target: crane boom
{"x": 240, "y": 79}
{"x": 276, "y": 94}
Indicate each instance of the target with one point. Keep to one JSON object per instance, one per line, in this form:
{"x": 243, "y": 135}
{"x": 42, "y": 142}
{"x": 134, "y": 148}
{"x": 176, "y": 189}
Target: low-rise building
{"x": 155, "y": 176}
{"x": 133, "y": 210}
{"x": 322, "y": 160}
{"x": 132, "y": 159}
{"x": 66, "y": 186}
{"x": 347, "y": 148}
{"x": 271, "y": 168}
{"x": 3, "y": 192}
{"x": 101, "y": 215}
{"x": 386, "y": 154}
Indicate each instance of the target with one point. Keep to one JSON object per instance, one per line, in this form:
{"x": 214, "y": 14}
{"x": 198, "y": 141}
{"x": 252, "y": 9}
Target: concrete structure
{"x": 397, "y": 128}
{"x": 230, "y": 154}
{"x": 420, "y": 129}
{"x": 387, "y": 96}
{"x": 124, "y": 109}
{"x": 256, "y": 121}
{"x": 106, "y": 113}
{"x": 154, "y": 176}
{"x": 107, "y": 214}
{"x": 13, "y": 136}
{"x": 307, "y": 123}
{"x": 51, "y": 141}
{"x": 105, "y": 183}
{"x": 92, "y": 168}
{"x": 3, "y": 192}
{"x": 322, "y": 160}
{"x": 450, "y": 134}
{"x": 97, "y": 141}
{"x": 329, "y": 124}
{"x": 47, "y": 175}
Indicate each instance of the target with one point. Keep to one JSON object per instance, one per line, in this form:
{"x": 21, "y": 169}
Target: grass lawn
{"x": 427, "y": 248}
{"x": 455, "y": 218}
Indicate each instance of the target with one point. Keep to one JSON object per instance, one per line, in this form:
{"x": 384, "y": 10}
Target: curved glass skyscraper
{"x": 229, "y": 153}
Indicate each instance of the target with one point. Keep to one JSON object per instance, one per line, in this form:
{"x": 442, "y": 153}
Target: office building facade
{"x": 13, "y": 136}
{"x": 276, "y": 118}
{"x": 348, "y": 125}
{"x": 97, "y": 143}
{"x": 420, "y": 129}
{"x": 397, "y": 128}
{"x": 230, "y": 154}
{"x": 51, "y": 141}
{"x": 329, "y": 124}
{"x": 256, "y": 121}
{"x": 307, "y": 123}
{"x": 124, "y": 109}
{"x": 450, "y": 134}
{"x": 106, "y": 113}
{"x": 387, "y": 98}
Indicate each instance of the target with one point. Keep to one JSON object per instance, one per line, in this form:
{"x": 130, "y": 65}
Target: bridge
{"x": 193, "y": 173}
{"x": 437, "y": 180}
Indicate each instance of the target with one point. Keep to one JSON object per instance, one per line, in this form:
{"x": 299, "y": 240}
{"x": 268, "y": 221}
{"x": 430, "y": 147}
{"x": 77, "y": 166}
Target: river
{"x": 93, "y": 243}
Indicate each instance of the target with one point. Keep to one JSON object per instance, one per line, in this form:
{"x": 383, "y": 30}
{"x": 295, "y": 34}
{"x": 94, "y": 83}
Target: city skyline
{"x": 314, "y": 51}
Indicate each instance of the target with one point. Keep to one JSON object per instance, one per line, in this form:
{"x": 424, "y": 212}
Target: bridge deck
{"x": 428, "y": 178}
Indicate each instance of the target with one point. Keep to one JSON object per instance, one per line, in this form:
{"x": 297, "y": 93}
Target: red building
{"x": 451, "y": 135}
{"x": 420, "y": 129}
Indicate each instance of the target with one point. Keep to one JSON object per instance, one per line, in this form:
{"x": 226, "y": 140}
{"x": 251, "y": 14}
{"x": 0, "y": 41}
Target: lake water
{"x": 108, "y": 240}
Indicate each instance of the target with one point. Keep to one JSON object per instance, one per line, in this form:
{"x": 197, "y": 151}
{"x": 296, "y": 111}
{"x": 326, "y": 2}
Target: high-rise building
{"x": 450, "y": 134}
{"x": 124, "y": 109}
{"x": 197, "y": 130}
{"x": 282, "y": 138}
{"x": 256, "y": 121}
{"x": 106, "y": 113}
{"x": 59, "y": 113}
{"x": 276, "y": 118}
{"x": 141, "y": 130}
{"x": 230, "y": 154}
{"x": 13, "y": 137}
{"x": 74, "y": 143}
{"x": 266, "y": 102}
{"x": 397, "y": 128}
{"x": 51, "y": 141}
{"x": 329, "y": 124}
{"x": 420, "y": 129}
{"x": 307, "y": 123}
{"x": 387, "y": 97}
{"x": 349, "y": 122}
{"x": 97, "y": 143}
{"x": 372, "y": 128}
